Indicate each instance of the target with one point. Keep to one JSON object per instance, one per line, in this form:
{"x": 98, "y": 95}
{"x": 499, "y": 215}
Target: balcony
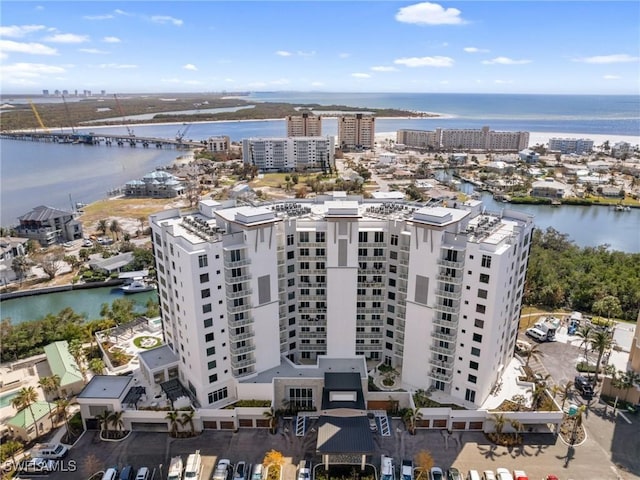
{"x": 455, "y": 295}
{"x": 239, "y": 308}
{"x": 436, "y": 362}
{"x": 320, "y": 349}
{"x": 450, "y": 264}
{"x": 452, "y": 324}
{"x": 312, "y": 335}
{"x": 443, "y": 350}
{"x": 248, "y": 320}
{"x": 449, "y": 279}
{"x": 443, "y": 377}
{"x": 241, "y": 336}
{"x": 241, "y": 350}
{"x": 237, "y": 364}
{"x": 311, "y": 311}
{"x": 239, "y": 279}
{"x": 455, "y": 308}
{"x": 241, "y": 293}
{"x": 446, "y": 337}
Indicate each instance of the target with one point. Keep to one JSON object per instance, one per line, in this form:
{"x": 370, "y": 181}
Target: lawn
{"x": 124, "y": 208}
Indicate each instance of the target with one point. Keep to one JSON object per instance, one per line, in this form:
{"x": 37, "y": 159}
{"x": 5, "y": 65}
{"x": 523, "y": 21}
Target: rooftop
{"x": 158, "y": 357}
{"x": 42, "y": 213}
{"x": 62, "y": 363}
{"x": 344, "y": 435}
{"x": 106, "y": 386}
{"x": 24, "y": 418}
{"x": 286, "y": 369}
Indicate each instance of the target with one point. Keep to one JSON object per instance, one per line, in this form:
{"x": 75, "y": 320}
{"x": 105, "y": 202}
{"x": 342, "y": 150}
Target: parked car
{"x": 583, "y": 385}
{"x": 520, "y": 475}
{"x": 175, "y": 469}
{"x": 406, "y": 470}
{"x": 87, "y": 243}
{"x": 110, "y": 473}
{"x": 304, "y": 470}
{"x": 127, "y": 473}
{"x": 453, "y": 474}
{"x": 143, "y": 474}
{"x": 257, "y": 472}
{"x": 536, "y": 334}
{"x": 373, "y": 424}
{"x": 222, "y": 470}
{"x": 51, "y": 451}
{"x": 488, "y": 475}
{"x": 436, "y": 473}
{"x": 503, "y": 474}
{"x": 473, "y": 475}
{"x": 240, "y": 472}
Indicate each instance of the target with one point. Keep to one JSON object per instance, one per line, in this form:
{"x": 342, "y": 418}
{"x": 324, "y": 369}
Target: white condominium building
{"x": 434, "y": 292}
{"x": 356, "y": 131}
{"x": 571, "y": 145}
{"x": 304, "y": 125}
{"x": 464, "y": 139}
{"x": 289, "y": 154}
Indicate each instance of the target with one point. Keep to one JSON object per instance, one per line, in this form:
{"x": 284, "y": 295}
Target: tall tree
{"x": 584, "y": 332}
{"x": 103, "y": 420}
{"x": 531, "y": 352}
{"x": 187, "y": 419}
{"x": 411, "y": 418}
{"x": 424, "y": 463}
{"x": 115, "y": 419}
{"x": 272, "y": 416}
{"x": 50, "y": 384}
{"x": 102, "y": 226}
{"x": 174, "y": 421}
{"x": 115, "y": 228}
{"x": 499, "y": 421}
{"x": 50, "y": 260}
{"x": 608, "y": 305}
{"x": 20, "y": 265}
{"x": 97, "y": 366}
{"x": 25, "y": 398}
{"x": 565, "y": 392}
{"x": 600, "y": 341}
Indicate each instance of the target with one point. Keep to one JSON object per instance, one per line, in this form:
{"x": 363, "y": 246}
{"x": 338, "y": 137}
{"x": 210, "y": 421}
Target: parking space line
{"x": 625, "y": 418}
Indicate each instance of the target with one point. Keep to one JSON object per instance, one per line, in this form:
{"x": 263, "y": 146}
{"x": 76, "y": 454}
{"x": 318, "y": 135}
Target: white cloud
{"x": 107, "y": 16}
{"x": 19, "y": 31}
{"x": 317, "y": 84}
{"x": 190, "y": 66}
{"x": 281, "y": 81}
{"x": 117, "y": 66}
{"x": 93, "y": 51}
{"x": 30, "y": 71}
{"x": 257, "y": 84}
{"x": 67, "y": 38}
{"x": 30, "y": 48}
{"x": 382, "y": 68}
{"x": 503, "y": 82}
{"x": 344, "y": 55}
{"x": 611, "y": 77}
{"x": 111, "y": 40}
{"x": 164, "y": 19}
{"x": 283, "y": 53}
{"x": 306, "y": 54}
{"x": 475, "y": 50}
{"x": 121, "y": 12}
{"x": 602, "y": 59}
{"x": 360, "y": 75}
{"x": 505, "y": 61}
{"x": 436, "y": 61}
{"x": 427, "y": 13}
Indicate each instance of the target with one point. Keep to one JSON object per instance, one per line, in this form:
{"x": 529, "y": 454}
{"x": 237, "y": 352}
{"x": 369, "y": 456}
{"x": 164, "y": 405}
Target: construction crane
{"x": 129, "y": 130}
{"x": 181, "y": 133}
{"x": 66, "y": 109}
{"x": 35, "y": 112}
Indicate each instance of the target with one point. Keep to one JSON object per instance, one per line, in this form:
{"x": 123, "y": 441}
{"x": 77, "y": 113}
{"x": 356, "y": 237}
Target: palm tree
{"x": 499, "y": 420}
{"x": 20, "y": 265}
{"x": 628, "y": 380}
{"x": 172, "y": 416}
{"x": 115, "y": 419}
{"x": 584, "y": 333}
{"x": 24, "y": 399}
{"x": 12, "y": 447}
{"x": 272, "y": 416}
{"x": 516, "y": 425}
{"x": 187, "y": 419}
{"x": 77, "y": 352}
{"x": 566, "y": 392}
{"x": 577, "y": 422}
{"x": 115, "y": 228}
{"x": 600, "y": 341}
{"x": 103, "y": 420}
{"x": 96, "y": 365}
{"x": 533, "y": 351}
{"x": 102, "y": 226}
{"x": 62, "y": 409}
{"x": 411, "y": 418}
{"x": 537, "y": 394}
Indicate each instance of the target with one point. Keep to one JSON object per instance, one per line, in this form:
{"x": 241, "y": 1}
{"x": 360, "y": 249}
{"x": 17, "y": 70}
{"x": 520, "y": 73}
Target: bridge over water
{"x": 102, "y": 138}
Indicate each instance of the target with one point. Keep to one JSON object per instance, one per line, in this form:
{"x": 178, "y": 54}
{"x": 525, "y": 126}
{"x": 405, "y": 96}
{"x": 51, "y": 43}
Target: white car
{"x": 503, "y": 474}
{"x": 436, "y": 473}
{"x": 488, "y": 475}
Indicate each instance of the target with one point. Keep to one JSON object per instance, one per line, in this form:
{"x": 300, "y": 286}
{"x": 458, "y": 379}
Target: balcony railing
{"x": 455, "y": 295}
{"x": 443, "y": 350}
{"x": 449, "y": 279}
{"x": 240, "y": 336}
{"x": 441, "y": 308}
{"x": 443, "y": 377}
{"x": 238, "y": 263}
{"x": 446, "y": 337}
{"x": 242, "y": 350}
{"x": 248, "y": 320}
{"x": 452, "y": 324}
{"x": 241, "y": 293}
{"x": 450, "y": 264}
{"x": 239, "y": 308}
{"x": 237, "y": 364}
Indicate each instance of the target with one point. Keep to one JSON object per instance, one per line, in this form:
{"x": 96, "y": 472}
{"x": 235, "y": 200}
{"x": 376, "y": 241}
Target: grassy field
{"x": 132, "y": 208}
{"x": 272, "y": 180}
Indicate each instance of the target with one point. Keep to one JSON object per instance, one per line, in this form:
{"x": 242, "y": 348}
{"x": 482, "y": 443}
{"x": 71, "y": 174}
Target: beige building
{"x": 356, "y": 131}
{"x": 634, "y": 354}
{"x": 218, "y": 144}
{"x": 304, "y": 125}
{"x": 464, "y": 139}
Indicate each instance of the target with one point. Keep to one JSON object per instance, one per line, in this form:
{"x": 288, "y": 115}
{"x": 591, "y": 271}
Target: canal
{"x": 86, "y": 302}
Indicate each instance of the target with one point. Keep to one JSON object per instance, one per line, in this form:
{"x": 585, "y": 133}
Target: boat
{"x": 622, "y": 208}
{"x": 136, "y": 286}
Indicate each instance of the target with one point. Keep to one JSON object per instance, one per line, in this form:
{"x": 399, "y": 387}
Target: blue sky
{"x": 362, "y": 46}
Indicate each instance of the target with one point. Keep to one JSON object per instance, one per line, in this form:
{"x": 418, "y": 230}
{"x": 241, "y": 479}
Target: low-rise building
{"x": 62, "y": 364}
{"x": 23, "y": 424}
{"x": 549, "y": 188}
{"x": 529, "y": 156}
{"x": 219, "y": 144}
{"x": 621, "y": 149}
{"x": 49, "y": 225}
{"x": 570, "y": 145}
{"x": 158, "y": 184}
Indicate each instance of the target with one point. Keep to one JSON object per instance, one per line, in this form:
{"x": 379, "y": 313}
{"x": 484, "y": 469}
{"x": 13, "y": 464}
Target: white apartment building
{"x": 356, "y": 131}
{"x": 289, "y": 154}
{"x": 434, "y": 292}
{"x": 464, "y": 139}
{"x": 570, "y": 145}
{"x": 304, "y": 125}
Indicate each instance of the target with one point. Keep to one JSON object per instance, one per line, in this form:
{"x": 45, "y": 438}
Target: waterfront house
{"x": 611, "y": 191}
{"x": 62, "y": 364}
{"x": 49, "y": 225}
{"x": 548, "y": 188}
{"x": 621, "y": 149}
{"x": 22, "y": 425}
{"x": 159, "y": 184}
{"x": 112, "y": 264}
{"x": 11, "y": 247}
{"x": 529, "y": 156}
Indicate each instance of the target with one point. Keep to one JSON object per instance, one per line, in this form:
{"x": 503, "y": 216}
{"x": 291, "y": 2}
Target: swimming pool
{"x": 5, "y": 400}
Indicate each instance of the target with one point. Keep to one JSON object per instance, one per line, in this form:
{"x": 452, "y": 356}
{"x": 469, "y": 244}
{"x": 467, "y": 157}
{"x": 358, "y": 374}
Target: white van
{"x": 536, "y": 334}
{"x": 143, "y": 474}
{"x": 110, "y": 474}
{"x": 473, "y": 475}
{"x": 50, "y": 451}
{"x": 192, "y": 470}
{"x": 175, "y": 469}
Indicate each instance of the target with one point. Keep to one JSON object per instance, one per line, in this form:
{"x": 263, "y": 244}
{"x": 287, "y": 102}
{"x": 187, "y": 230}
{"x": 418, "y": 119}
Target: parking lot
{"x": 542, "y": 454}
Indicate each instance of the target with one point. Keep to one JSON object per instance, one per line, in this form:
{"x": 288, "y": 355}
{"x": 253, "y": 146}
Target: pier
{"x": 102, "y": 139}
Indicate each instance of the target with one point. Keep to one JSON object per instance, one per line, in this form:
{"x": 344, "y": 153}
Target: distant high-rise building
{"x": 433, "y": 292}
{"x": 219, "y": 144}
{"x": 103, "y": 92}
{"x": 45, "y": 93}
{"x": 464, "y": 139}
{"x": 570, "y": 145}
{"x": 289, "y": 154}
{"x": 65, "y": 92}
{"x": 304, "y": 125}
{"x": 356, "y": 131}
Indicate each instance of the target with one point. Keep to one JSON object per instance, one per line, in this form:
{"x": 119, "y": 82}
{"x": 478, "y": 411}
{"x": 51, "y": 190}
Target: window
{"x": 319, "y": 237}
{"x": 320, "y": 266}
{"x": 389, "y": 333}
{"x": 394, "y": 239}
{"x": 206, "y": 308}
{"x": 302, "y": 398}
{"x": 292, "y": 333}
{"x": 211, "y": 351}
{"x": 236, "y": 255}
{"x": 482, "y": 293}
{"x": 378, "y": 252}
{"x": 388, "y": 346}
{"x": 291, "y": 282}
{"x": 392, "y": 269}
{"x": 213, "y": 378}
{"x": 484, "y": 278}
{"x": 292, "y": 321}
{"x": 472, "y": 378}
{"x": 208, "y": 337}
{"x": 211, "y": 365}
{"x": 304, "y": 265}
{"x": 391, "y": 295}
{"x": 203, "y": 261}
{"x": 486, "y": 261}
{"x": 378, "y": 237}
{"x": 236, "y": 272}
{"x": 475, "y": 351}
{"x": 363, "y": 237}
{"x": 204, "y": 278}
{"x": 392, "y": 282}
{"x": 363, "y": 252}
{"x": 206, "y": 293}
{"x": 390, "y": 321}
{"x": 477, "y": 337}
{"x": 290, "y": 239}
{"x": 304, "y": 237}
{"x": 208, "y": 322}
{"x": 393, "y": 255}
{"x": 304, "y": 252}
{"x": 478, "y": 323}
{"x": 290, "y": 255}
{"x": 290, "y": 268}
{"x": 470, "y": 395}
{"x": 480, "y": 308}
{"x": 473, "y": 365}
{"x": 320, "y": 252}
{"x": 218, "y": 395}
